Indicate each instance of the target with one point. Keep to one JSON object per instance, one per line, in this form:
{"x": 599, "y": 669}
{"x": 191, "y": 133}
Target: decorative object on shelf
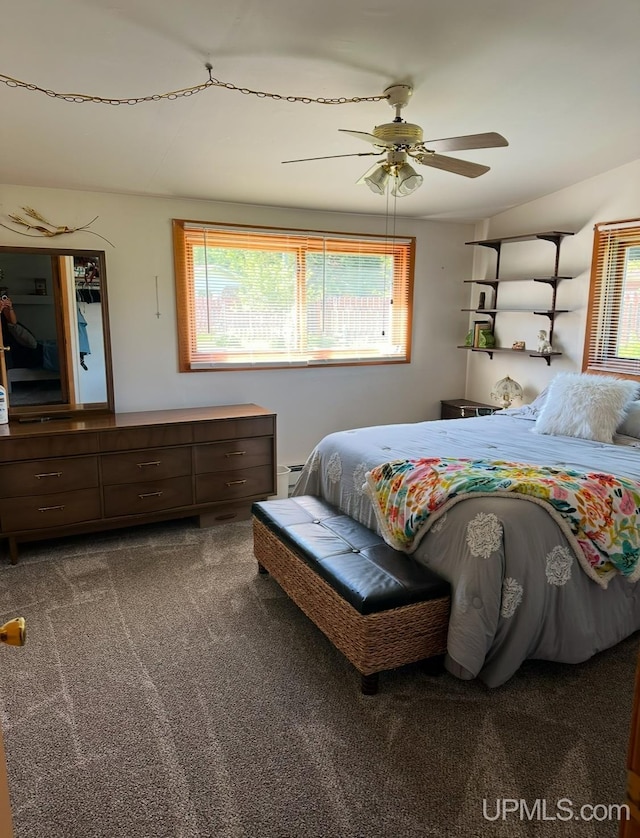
{"x": 46, "y": 228}
{"x": 544, "y": 347}
{"x": 482, "y": 301}
{"x": 483, "y": 336}
{"x": 40, "y": 286}
{"x": 486, "y": 339}
{"x": 519, "y": 345}
{"x": 505, "y": 391}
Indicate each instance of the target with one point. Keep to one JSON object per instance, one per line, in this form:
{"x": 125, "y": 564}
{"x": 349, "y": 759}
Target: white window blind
{"x": 251, "y": 297}
{"x": 612, "y": 341}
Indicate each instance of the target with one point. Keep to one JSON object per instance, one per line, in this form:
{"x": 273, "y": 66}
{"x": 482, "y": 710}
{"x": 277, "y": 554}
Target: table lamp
{"x": 505, "y": 391}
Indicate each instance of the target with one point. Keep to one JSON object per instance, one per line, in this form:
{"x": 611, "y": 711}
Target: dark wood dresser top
{"x": 109, "y": 421}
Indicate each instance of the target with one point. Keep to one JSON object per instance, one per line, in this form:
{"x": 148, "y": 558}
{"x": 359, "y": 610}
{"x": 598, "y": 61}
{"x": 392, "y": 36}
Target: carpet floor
{"x": 166, "y": 690}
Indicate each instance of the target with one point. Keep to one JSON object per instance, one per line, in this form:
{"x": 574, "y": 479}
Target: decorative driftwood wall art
{"x": 46, "y": 228}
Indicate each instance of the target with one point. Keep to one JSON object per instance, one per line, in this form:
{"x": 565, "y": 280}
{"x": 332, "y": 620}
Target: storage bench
{"x": 378, "y": 606}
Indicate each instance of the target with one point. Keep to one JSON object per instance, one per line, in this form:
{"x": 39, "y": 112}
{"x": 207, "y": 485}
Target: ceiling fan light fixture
{"x": 377, "y": 180}
{"x": 406, "y": 181}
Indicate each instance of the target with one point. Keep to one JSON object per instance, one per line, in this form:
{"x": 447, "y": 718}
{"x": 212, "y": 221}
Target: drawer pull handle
{"x": 48, "y": 508}
{"x": 151, "y": 463}
{"x": 150, "y": 495}
{"x": 235, "y": 482}
{"x": 235, "y": 453}
{"x": 48, "y": 474}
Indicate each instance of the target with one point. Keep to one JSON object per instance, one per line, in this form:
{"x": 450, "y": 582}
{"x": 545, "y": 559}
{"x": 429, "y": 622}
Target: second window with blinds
{"x": 259, "y": 297}
{"x": 612, "y": 339}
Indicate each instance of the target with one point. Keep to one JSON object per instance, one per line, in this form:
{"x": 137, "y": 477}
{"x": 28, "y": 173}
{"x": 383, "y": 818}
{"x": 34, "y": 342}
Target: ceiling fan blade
{"x": 489, "y": 140}
{"x": 451, "y": 164}
{"x": 331, "y": 156}
{"x": 370, "y": 138}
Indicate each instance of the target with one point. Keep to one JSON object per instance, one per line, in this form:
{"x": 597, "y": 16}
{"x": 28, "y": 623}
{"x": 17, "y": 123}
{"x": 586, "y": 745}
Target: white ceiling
{"x": 558, "y": 78}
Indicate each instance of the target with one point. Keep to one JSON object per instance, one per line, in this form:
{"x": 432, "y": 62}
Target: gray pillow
{"x": 631, "y": 424}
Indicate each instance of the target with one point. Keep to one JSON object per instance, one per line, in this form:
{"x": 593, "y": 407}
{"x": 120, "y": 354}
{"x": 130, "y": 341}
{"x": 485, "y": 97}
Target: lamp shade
{"x": 505, "y": 391}
{"x": 377, "y": 180}
{"x": 407, "y": 180}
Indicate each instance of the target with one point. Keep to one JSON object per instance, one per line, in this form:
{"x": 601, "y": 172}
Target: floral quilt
{"x": 598, "y": 513}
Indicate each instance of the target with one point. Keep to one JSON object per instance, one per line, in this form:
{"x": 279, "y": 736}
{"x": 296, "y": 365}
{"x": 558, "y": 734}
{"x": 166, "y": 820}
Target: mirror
{"x": 59, "y": 356}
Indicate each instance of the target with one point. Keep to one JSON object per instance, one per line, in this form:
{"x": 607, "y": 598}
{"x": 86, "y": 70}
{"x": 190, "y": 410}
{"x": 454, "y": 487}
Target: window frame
{"x": 608, "y": 267}
{"x": 403, "y": 278}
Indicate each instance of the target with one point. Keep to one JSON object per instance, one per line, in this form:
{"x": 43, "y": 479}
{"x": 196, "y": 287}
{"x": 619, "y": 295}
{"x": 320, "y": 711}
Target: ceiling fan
{"x": 400, "y": 140}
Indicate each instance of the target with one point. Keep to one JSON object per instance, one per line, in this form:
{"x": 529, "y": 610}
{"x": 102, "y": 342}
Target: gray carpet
{"x": 168, "y": 691}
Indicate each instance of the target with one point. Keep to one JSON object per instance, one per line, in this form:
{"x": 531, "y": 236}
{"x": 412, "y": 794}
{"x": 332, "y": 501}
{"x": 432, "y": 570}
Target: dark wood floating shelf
{"x": 547, "y": 312}
{"x": 550, "y": 235}
{"x": 491, "y": 349}
{"x": 550, "y": 280}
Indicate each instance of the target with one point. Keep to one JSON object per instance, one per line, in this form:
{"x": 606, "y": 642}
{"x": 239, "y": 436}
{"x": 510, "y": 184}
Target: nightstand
{"x": 464, "y": 409}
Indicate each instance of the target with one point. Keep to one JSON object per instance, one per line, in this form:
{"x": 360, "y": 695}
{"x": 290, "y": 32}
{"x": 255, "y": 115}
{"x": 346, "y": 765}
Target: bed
{"x": 518, "y": 589}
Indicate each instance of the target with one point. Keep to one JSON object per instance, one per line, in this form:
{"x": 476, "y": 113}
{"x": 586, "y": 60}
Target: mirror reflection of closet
{"x": 60, "y": 361}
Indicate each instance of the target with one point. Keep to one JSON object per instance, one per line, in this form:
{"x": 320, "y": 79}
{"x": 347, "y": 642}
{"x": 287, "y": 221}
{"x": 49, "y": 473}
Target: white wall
{"x": 309, "y": 403}
{"x": 612, "y": 196}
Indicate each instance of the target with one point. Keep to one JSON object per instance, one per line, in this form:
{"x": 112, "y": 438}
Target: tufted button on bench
{"x": 378, "y": 606}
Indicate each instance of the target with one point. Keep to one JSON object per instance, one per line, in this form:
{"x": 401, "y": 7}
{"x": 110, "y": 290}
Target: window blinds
{"x": 259, "y": 297}
{"x": 612, "y": 343}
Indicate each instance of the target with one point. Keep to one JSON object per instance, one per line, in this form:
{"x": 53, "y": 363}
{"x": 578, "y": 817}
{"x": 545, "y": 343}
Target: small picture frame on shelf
{"x": 519, "y": 345}
{"x": 40, "y": 287}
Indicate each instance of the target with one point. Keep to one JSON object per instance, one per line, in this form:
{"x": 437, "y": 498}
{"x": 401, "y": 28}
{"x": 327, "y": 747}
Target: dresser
{"x": 67, "y": 476}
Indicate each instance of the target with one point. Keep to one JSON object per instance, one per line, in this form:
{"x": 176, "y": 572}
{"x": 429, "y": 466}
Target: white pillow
{"x": 631, "y": 424}
{"x": 585, "y": 406}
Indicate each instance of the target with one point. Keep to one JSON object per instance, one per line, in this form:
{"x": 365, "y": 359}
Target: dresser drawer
{"x": 233, "y": 428}
{"x": 153, "y": 436}
{"x": 41, "y": 477}
{"x": 151, "y": 496}
{"x": 55, "y": 445}
{"x": 152, "y": 464}
{"x": 46, "y": 511}
{"x": 234, "y": 454}
{"x": 229, "y": 485}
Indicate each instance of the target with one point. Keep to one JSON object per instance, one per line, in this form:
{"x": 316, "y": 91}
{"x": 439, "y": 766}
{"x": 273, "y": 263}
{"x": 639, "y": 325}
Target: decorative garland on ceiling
{"x": 186, "y": 91}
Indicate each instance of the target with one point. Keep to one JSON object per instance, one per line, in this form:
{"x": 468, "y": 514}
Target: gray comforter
{"x": 518, "y": 590}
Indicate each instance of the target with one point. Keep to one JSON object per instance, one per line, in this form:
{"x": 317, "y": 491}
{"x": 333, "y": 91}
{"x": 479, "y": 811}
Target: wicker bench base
{"x": 371, "y": 642}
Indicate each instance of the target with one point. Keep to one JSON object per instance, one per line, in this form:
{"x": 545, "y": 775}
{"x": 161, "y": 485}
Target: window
{"x": 250, "y": 297}
{"x": 612, "y": 343}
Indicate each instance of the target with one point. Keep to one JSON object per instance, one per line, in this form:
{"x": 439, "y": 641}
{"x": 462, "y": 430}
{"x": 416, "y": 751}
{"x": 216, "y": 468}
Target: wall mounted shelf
{"x": 554, "y": 237}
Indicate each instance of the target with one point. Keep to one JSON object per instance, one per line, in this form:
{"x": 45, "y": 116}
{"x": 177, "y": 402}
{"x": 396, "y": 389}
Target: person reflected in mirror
{"x": 6, "y": 308}
{"x": 24, "y": 349}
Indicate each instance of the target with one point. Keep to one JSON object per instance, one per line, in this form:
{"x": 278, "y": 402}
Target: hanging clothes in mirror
{"x": 83, "y": 339}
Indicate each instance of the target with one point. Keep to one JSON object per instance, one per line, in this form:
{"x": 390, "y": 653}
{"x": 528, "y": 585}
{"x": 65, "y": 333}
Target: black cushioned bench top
{"x": 354, "y": 560}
